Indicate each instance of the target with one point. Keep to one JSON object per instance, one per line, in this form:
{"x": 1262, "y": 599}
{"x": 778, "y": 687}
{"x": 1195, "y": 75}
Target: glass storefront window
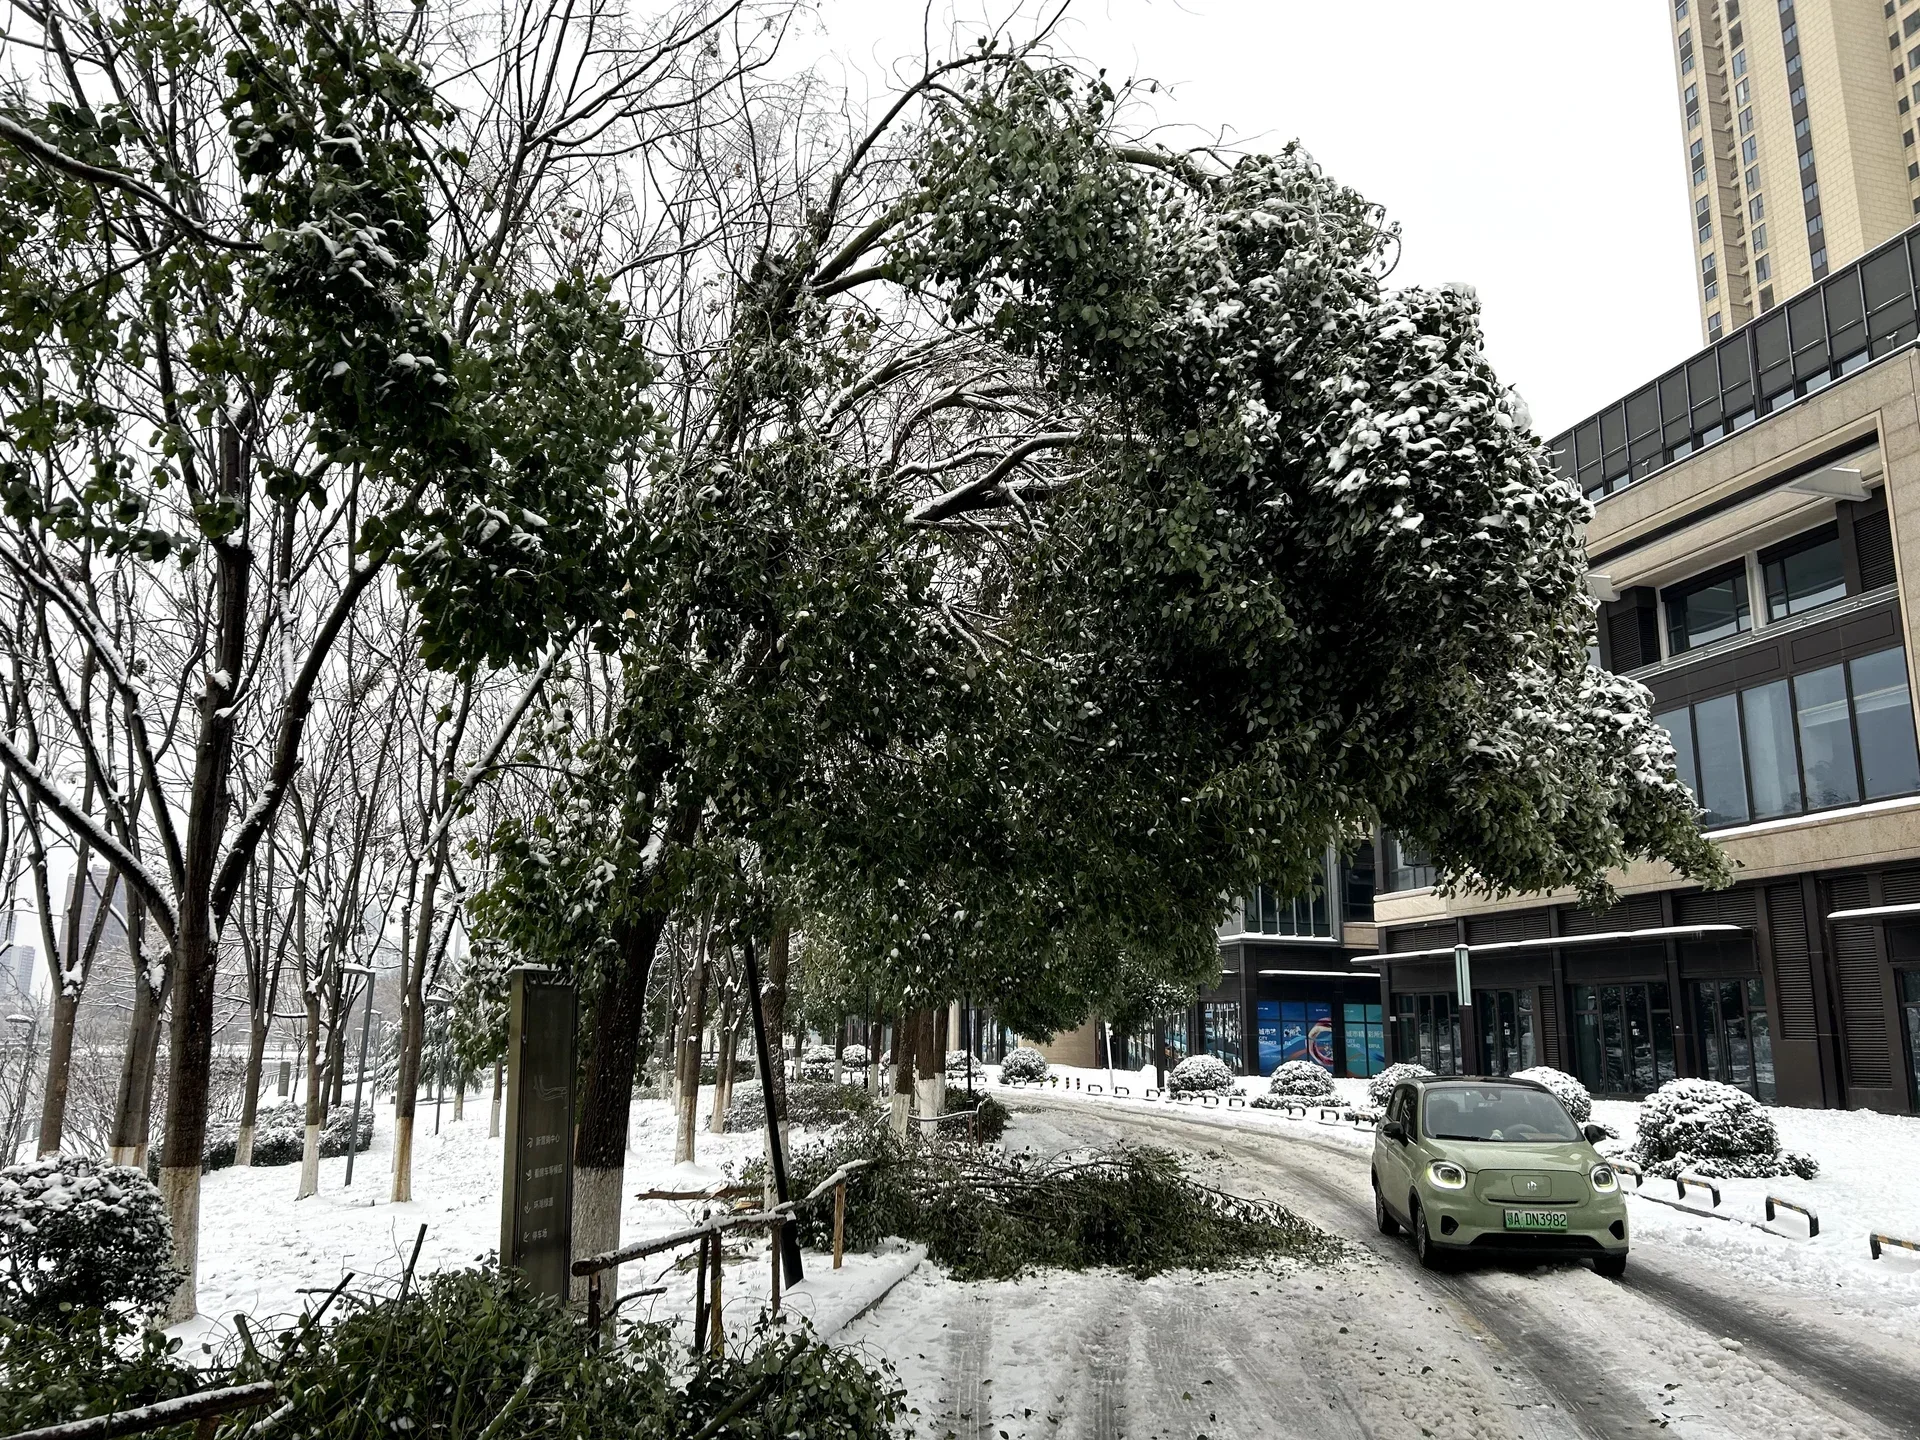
{"x": 1883, "y": 712}
{"x": 1268, "y": 912}
{"x": 1220, "y": 1034}
{"x": 1826, "y": 738}
{"x": 1910, "y": 1014}
{"x": 1736, "y": 1041}
{"x": 1623, "y": 1037}
{"x": 1504, "y": 1019}
{"x": 1679, "y": 727}
{"x": 1366, "y": 1043}
{"x": 1427, "y": 1032}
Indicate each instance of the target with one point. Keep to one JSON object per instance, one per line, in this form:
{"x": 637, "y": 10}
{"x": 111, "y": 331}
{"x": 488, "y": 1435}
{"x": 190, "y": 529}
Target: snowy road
{"x": 1376, "y": 1348}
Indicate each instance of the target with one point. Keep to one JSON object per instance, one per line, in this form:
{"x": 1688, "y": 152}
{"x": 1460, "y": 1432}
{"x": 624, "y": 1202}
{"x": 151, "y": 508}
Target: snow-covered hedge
{"x": 280, "y": 1135}
{"x": 1297, "y": 1080}
{"x": 1200, "y": 1074}
{"x": 80, "y": 1234}
{"x": 1024, "y": 1063}
{"x": 1702, "y": 1127}
{"x": 817, "y": 1063}
{"x": 1380, "y": 1088}
{"x": 855, "y": 1057}
{"x": 1566, "y": 1088}
{"x": 958, "y": 1062}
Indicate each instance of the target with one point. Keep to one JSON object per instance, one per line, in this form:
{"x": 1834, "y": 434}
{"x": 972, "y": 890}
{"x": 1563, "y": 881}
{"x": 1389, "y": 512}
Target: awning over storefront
{"x": 1330, "y": 974}
{"x": 1874, "y": 914}
{"x": 1606, "y": 937}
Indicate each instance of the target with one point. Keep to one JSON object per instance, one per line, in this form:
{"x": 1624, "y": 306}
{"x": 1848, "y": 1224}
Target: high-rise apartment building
{"x": 1797, "y": 122}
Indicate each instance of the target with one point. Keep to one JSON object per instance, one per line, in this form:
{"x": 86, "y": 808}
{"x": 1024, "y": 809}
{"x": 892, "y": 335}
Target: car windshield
{"x": 1496, "y": 1112}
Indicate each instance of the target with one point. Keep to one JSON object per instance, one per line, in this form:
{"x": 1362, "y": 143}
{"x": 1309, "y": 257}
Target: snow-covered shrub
{"x": 77, "y": 1233}
{"x": 814, "y": 1104}
{"x": 1702, "y": 1127}
{"x": 988, "y": 1126}
{"x": 1200, "y": 1074}
{"x": 959, "y": 1062}
{"x": 280, "y": 1135}
{"x": 1296, "y": 1080}
{"x": 817, "y": 1062}
{"x": 1380, "y": 1088}
{"x": 1023, "y": 1063}
{"x": 1566, "y": 1088}
{"x": 855, "y": 1057}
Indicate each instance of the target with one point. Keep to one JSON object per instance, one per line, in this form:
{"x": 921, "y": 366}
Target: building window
{"x": 1709, "y": 609}
{"x": 1753, "y": 177}
{"x": 1801, "y": 129}
{"x": 1357, "y": 884}
{"x": 1504, "y": 1019}
{"x": 1366, "y": 1038}
{"x": 1697, "y": 153}
{"x": 1810, "y": 193}
{"x": 1623, "y": 1037}
{"x": 1686, "y": 52}
{"x": 1763, "y": 268}
{"x": 1735, "y": 1038}
{"x": 1267, "y": 912}
{"x": 1829, "y": 737}
{"x": 1806, "y": 159}
{"x": 1427, "y": 1032}
{"x": 1742, "y": 93}
{"x": 1806, "y": 575}
{"x": 1746, "y": 121}
{"x": 1766, "y": 298}
{"x": 1703, "y": 218}
{"x": 1793, "y": 66}
{"x": 1818, "y": 260}
{"x": 1713, "y": 325}
{"x": 1750, "y": 149}
{"x": 1407, "y": 865}
{"x": 1815, "y": 224}
{"x": 1679, "y": 9}
{"x": 1739, "y": 63}
{"x": 1757, "y": 208}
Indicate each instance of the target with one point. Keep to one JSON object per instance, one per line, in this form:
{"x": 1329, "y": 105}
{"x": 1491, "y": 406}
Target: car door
{"x": 1395, "y": 1171}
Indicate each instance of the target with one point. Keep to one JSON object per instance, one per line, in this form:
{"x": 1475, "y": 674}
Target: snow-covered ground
{"x": 1869, "y": 1180}
{"x": 264, "y": 1254}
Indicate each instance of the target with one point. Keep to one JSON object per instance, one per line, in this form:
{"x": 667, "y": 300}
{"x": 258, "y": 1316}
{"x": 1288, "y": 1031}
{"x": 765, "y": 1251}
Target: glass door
{"x": 1505, "y": 1022}
{"x": 1623, "y": 1037}
{"x": 1910, "y": 1016}
{"x": 1736, "y": 1041}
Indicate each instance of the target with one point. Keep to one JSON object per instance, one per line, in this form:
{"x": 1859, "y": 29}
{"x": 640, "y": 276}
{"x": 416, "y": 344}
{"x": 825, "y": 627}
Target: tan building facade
{"x": 1756, "y": 551}
{"x": 1797, "y": 132}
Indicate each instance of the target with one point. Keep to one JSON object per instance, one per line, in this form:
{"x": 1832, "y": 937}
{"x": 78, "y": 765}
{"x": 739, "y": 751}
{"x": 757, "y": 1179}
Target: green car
{"x": 1495, "y": 1167}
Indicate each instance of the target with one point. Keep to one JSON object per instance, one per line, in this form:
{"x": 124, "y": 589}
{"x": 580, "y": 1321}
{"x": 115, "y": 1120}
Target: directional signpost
{"x": 536, "y": 1207}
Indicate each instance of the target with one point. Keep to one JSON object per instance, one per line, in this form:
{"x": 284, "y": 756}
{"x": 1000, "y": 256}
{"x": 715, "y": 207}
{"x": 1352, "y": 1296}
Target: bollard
{"x": 1876, "y": 1240}
{"x": 1813, "y": 1220}
{"x": 839, "y": 1222}
{"x": 1122, "y": 1090}
{"x": 1681, "y": 1182}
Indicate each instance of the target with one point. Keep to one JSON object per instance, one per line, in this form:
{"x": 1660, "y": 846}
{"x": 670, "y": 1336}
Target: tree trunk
{"x": 189, "y": 1066}
{"x": 133, "y": 1103}
{"x": 873, "y": 1057}
{"x": 930, "y": 1079}
{"x": 600, "y": 1141}
{"x": 413, "y": 1034}
{"x": 316, "y": 1091}
{"x": 774, "y": 999}
{"x": 257, "y": 1026}
{"x": 493, "y": 1115}
{"x": 53, "y": 1100}
{"x": 723, "y": 1062}
{"x": 693, "y": 1024}
{"x": 905, "y": 1031}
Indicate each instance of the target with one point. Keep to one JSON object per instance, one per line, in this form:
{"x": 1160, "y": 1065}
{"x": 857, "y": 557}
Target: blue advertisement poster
{"x": 1293, "y": 1030}
{"x": 1268, "y": 1015}
{"x": 1320, "y": 1033}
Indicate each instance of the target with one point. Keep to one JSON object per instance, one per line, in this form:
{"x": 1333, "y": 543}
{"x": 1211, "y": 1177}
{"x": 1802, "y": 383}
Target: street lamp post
{"x": 366, "y": 1024}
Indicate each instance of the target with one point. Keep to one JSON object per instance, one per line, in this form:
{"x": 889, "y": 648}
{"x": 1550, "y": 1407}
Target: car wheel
{"x": 1382, "y": 1216}
{"x": 1611, "y": 1266}
{"x": 1430, "y": 1254}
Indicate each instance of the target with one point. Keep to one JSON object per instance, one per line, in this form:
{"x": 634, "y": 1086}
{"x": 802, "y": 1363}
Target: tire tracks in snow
{"x": 1558, "y": 1385}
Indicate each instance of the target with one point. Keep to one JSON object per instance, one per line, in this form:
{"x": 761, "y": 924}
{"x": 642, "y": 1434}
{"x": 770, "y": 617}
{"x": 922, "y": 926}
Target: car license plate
{"x": 1536, "y": 1220}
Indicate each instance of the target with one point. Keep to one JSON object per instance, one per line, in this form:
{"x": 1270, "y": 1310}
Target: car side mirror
{"x": 1594, "y": 1133}
{"x": 1394, "y": 1130}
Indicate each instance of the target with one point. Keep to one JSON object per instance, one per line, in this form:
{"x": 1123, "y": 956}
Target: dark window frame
{"x": 1693, "y": 585}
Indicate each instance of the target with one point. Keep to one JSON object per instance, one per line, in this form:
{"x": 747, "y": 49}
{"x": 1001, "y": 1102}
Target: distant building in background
{"x": 1797, "y": 128}
{"x": 113, "y": 930}
{"x": 17, "y": 962}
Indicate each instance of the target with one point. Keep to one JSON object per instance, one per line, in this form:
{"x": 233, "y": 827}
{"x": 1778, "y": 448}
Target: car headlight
{"x": 1445, "y": 1175}
{"x": 1604, "y": 1179}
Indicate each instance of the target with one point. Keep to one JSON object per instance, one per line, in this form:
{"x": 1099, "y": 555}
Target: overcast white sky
{"x": 1527, "y": 147}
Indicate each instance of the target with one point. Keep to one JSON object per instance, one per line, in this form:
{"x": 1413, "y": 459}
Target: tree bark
{"x": 258, "y": 1023}
{"x": 139, "y": 1066}
{"x": 693, "y": 1024}
{"x": 53, "y": 1099}
{"x": 774, "y": 999}
{"x": 930, "y": 1079}
{"x": 600, "y": 1140}
{"x": 723, "y": 1061}
{"x": 316, "y": 1088}
{"x": 413, "y": 1030}
{"x": 905, "y": 1040}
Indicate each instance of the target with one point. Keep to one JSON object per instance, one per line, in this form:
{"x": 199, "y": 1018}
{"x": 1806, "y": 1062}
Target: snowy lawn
{"x": 264, "y": 1254}
{"x": 1869, "y": 1180}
